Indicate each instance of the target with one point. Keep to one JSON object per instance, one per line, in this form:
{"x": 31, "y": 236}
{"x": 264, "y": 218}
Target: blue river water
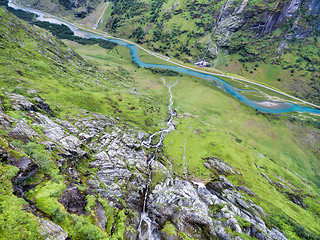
{"x": 264, "y": 106}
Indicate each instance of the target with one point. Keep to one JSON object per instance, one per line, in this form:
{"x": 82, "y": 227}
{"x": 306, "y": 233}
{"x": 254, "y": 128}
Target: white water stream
{"x": 148, "y": 144}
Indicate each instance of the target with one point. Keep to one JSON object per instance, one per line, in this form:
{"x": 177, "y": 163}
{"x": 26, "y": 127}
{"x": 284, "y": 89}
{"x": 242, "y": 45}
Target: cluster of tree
{"x": 165, "y": 72}
{"x": 60, "y": 30}
{"x": 27, "y": 16}
{"x": 64, "y": 32}
{"x": 66, "y": 3}
{"x": 138, "y": 33}
{"x": 128, "y": 8}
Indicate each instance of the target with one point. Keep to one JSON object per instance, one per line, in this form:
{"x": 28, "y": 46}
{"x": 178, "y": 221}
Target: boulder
{"x": 52, "y": 231}
{"x": 246, "y": 190}
{"x": 20, "y": 103}
{"x": 219, "y": 185}
{"x": 218, "y": 166}
{"x": 43, "y": 105}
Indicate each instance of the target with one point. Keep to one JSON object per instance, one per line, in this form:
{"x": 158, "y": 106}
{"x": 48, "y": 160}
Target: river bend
{"x": 264, "y": 106}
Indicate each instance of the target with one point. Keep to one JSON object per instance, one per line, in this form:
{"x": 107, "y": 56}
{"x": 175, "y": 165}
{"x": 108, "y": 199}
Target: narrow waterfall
{"x": 150, "y": 235}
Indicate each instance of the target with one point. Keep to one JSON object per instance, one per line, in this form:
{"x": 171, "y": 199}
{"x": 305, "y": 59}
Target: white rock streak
{"x": 148, "y": 143}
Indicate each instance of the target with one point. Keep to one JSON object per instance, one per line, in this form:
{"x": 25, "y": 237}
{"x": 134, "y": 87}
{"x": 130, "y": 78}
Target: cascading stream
{"x": 148, "y": 144}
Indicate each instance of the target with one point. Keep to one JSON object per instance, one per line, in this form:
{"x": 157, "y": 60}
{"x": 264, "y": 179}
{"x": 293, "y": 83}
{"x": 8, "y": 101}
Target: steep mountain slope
{"x": 76, "y": 161}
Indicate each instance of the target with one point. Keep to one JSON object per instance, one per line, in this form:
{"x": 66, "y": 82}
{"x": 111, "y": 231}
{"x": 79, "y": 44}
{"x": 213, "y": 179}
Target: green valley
{"x": 281, "y": 50}
{"x": 78, "y": 157}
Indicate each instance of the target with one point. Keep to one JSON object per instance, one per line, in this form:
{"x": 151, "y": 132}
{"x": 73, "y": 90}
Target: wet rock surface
{"x": 235, "y": 16}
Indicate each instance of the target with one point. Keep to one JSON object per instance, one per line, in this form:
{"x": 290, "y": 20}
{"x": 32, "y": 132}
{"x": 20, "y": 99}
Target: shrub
{"x": 58, "y": 216}
{"x": 85, "y": 230}
{"x": 280, "y": 221}
{"x": 39, "y": 155}
{"x": 91, "y": 204}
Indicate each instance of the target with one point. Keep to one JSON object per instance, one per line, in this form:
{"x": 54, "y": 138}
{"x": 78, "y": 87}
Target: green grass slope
{"x": 277, "y": 155}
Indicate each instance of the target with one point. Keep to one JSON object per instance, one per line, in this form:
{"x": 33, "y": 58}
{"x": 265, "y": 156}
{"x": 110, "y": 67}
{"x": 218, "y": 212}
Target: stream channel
{"x": 264, "y": 106}
{"x": 150, "y": 234}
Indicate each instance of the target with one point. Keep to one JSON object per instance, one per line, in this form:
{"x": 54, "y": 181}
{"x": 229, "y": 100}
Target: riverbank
{"x": 74, "y": 27}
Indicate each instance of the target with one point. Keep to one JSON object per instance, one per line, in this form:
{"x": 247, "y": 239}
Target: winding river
{"x": 264, "y": 106}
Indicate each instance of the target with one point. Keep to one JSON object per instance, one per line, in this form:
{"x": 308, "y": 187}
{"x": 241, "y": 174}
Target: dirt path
{"x": 95, "y": 26}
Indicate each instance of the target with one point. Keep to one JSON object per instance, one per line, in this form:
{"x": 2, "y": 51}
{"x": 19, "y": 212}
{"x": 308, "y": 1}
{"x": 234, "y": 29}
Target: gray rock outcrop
{"x": 122, "y": 168}
{"x": 52, "y": 231}
{"x": 23, "y": 132}
{"x": 21, "y": 103}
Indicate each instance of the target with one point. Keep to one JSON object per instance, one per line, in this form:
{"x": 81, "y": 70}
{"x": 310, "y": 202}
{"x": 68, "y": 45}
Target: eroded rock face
{"x": 260, "y": 21}
{"x": 122, "y": 173}
{"x": 23, "y": 132}
{"x": 202, "y": 211}
{"x": 219, "y": 167}
{"x": 43, "y": 105}
{"x": 220, "y": 184}
{"x": 5, "y": 121}
{"x": 120, "y": 161}
{"x": 179, "y": 203}
{"x": 122, "y": 169}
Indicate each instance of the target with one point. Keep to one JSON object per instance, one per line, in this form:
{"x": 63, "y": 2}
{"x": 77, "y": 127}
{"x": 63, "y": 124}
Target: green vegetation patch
{"x": 15, "y": 220}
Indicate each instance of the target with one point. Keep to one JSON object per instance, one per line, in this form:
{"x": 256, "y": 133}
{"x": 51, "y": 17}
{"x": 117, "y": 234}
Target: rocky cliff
{"x": 113, "y": 184}
{"x": 72, "y": 8}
